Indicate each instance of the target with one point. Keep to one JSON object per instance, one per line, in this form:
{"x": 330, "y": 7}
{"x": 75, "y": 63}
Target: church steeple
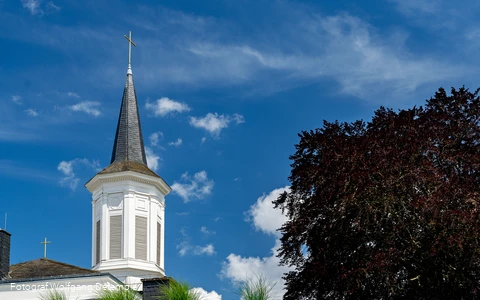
{"x": 128, "y": 146}
{"x": 128, "y": 203}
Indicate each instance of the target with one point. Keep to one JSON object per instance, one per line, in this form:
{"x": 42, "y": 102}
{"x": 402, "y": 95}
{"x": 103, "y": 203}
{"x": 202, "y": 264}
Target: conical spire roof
{"x": 128, "y": 149}
{"x": 128, "y": 146}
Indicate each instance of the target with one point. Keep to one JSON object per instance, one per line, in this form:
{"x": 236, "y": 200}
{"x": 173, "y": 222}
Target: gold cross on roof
{"x": 130, "y": 43}
{"x": 45, "y": 242}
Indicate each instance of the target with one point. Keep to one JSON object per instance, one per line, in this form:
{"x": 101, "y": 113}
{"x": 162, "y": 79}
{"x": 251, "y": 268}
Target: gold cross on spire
{"x": 45, "y": 242}
{"x": 130, "y": 43}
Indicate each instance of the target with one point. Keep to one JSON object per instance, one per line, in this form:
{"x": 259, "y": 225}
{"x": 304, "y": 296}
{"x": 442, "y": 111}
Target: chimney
{"x": 4, "y": 253}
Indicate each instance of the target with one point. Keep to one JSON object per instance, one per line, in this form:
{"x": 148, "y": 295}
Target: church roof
{"x": 128, "y": 145}
{"x": 45, "y": 267}
{"x": 128, "y": 166}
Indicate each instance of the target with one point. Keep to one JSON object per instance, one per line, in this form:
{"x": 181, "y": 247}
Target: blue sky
{"x": 223, "y": 89}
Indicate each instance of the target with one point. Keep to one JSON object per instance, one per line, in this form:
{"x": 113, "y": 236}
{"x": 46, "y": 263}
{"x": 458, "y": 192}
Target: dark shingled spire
{"x": 128, "y": 150}
{"x": 128, "y": 146}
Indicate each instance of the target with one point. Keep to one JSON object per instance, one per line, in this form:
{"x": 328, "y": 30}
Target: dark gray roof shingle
{"x": 128, "y": 144}
{"x": 128, "y": 166}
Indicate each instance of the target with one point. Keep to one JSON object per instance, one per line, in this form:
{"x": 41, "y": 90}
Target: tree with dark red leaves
{"x": 388, "y": 209}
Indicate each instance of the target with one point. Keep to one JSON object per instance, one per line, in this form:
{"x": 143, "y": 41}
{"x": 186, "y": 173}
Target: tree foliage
{"x": 387, "y": 209}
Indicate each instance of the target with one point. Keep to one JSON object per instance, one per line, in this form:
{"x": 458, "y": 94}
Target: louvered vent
{"x": 115, "y": 237}
{"x": 97, "y": 243}
{"x": 159, "y": 241}
{"x": 140, "y": 237}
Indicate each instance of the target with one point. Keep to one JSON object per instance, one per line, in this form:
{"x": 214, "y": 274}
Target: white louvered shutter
{"x": 159, "y": 241}
{"x": 140, "y": 237}
{"x": 115, "y": 237}
{"x": 97, "y": 243}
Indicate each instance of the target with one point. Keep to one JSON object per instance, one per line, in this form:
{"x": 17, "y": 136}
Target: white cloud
{"x": 88, "y": 107}
{"x": 414, "y": 7}
{"x": 264, "y": 216}
{"x": 240, "y": 269}
{"x": 184, "y": 247}
{"x": 204, "y": 295}
{"x": 165, "y": 106}
{"x": 69, "y": 178}
{"x": 207, "y": 250}
{"x": 152, "y": 158}
{"x": 364, "y": 60}
{"x": 177, "y": 143}
{"x": 51, "y": 7}
{"x": 155, "y": 138}
{"x": 33, "y": 6}
{"x": 72, "y": 94}
{"x": 17, "y": 99}
{"x": 205, "y": 230}
{"x": 239, "y": 119}
{"x": 190, "y": 188}
{"x": 204, "y": 139}
{"x": 31, "y": 112}
{"x": 266, "y": 219}
{"x": 214, "y": 123}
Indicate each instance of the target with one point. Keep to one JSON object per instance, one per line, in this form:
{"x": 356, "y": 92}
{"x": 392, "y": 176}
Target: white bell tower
{"x": 128, "y": 203}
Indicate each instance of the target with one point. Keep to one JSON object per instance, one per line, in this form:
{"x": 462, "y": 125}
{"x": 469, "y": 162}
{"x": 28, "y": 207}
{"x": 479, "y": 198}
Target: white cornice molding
{"x": 99, "y": 179}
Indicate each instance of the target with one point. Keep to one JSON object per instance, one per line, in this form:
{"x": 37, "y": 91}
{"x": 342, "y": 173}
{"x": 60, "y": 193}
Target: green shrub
{"x": 256, "y": 289}
{"x": 121, "y": 293}
{"x": 175, "y": 290}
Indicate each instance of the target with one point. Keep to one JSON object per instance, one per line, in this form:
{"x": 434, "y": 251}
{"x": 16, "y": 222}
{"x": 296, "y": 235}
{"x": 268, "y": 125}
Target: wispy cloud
{"x": 31, "y": 112}
{"x": 414, "y": 7}
{"x": 88, "y": 107}
{"x": 33, "y": 6}
{"x": 69, "y": 178}
{"x": 365, "y": 61}
{"x": 214, "y": 123}
{"x": 205, "y": 250}
{"x": 22, "y": 170}
{"x": 52, "y": 8}
{"x": 205, "y": 230}
{"x": 184, "y": 247}
{"x": 165, "y": 106}
{"x": 184, "y": 213}
{"x": 16, "y": 99}
{"x": 191, "y": 188}
{"x": 74, "y": 95}
{"x": 155, "y": 138}
{"x": 177, "y": 143}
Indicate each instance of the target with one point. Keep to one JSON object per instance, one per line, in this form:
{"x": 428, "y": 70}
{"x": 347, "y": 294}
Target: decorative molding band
{"x": 99, "y": 179}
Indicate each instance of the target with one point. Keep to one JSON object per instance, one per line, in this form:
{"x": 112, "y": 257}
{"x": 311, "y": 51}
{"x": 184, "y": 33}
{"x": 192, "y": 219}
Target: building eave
{"x": 99, "y": 179}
